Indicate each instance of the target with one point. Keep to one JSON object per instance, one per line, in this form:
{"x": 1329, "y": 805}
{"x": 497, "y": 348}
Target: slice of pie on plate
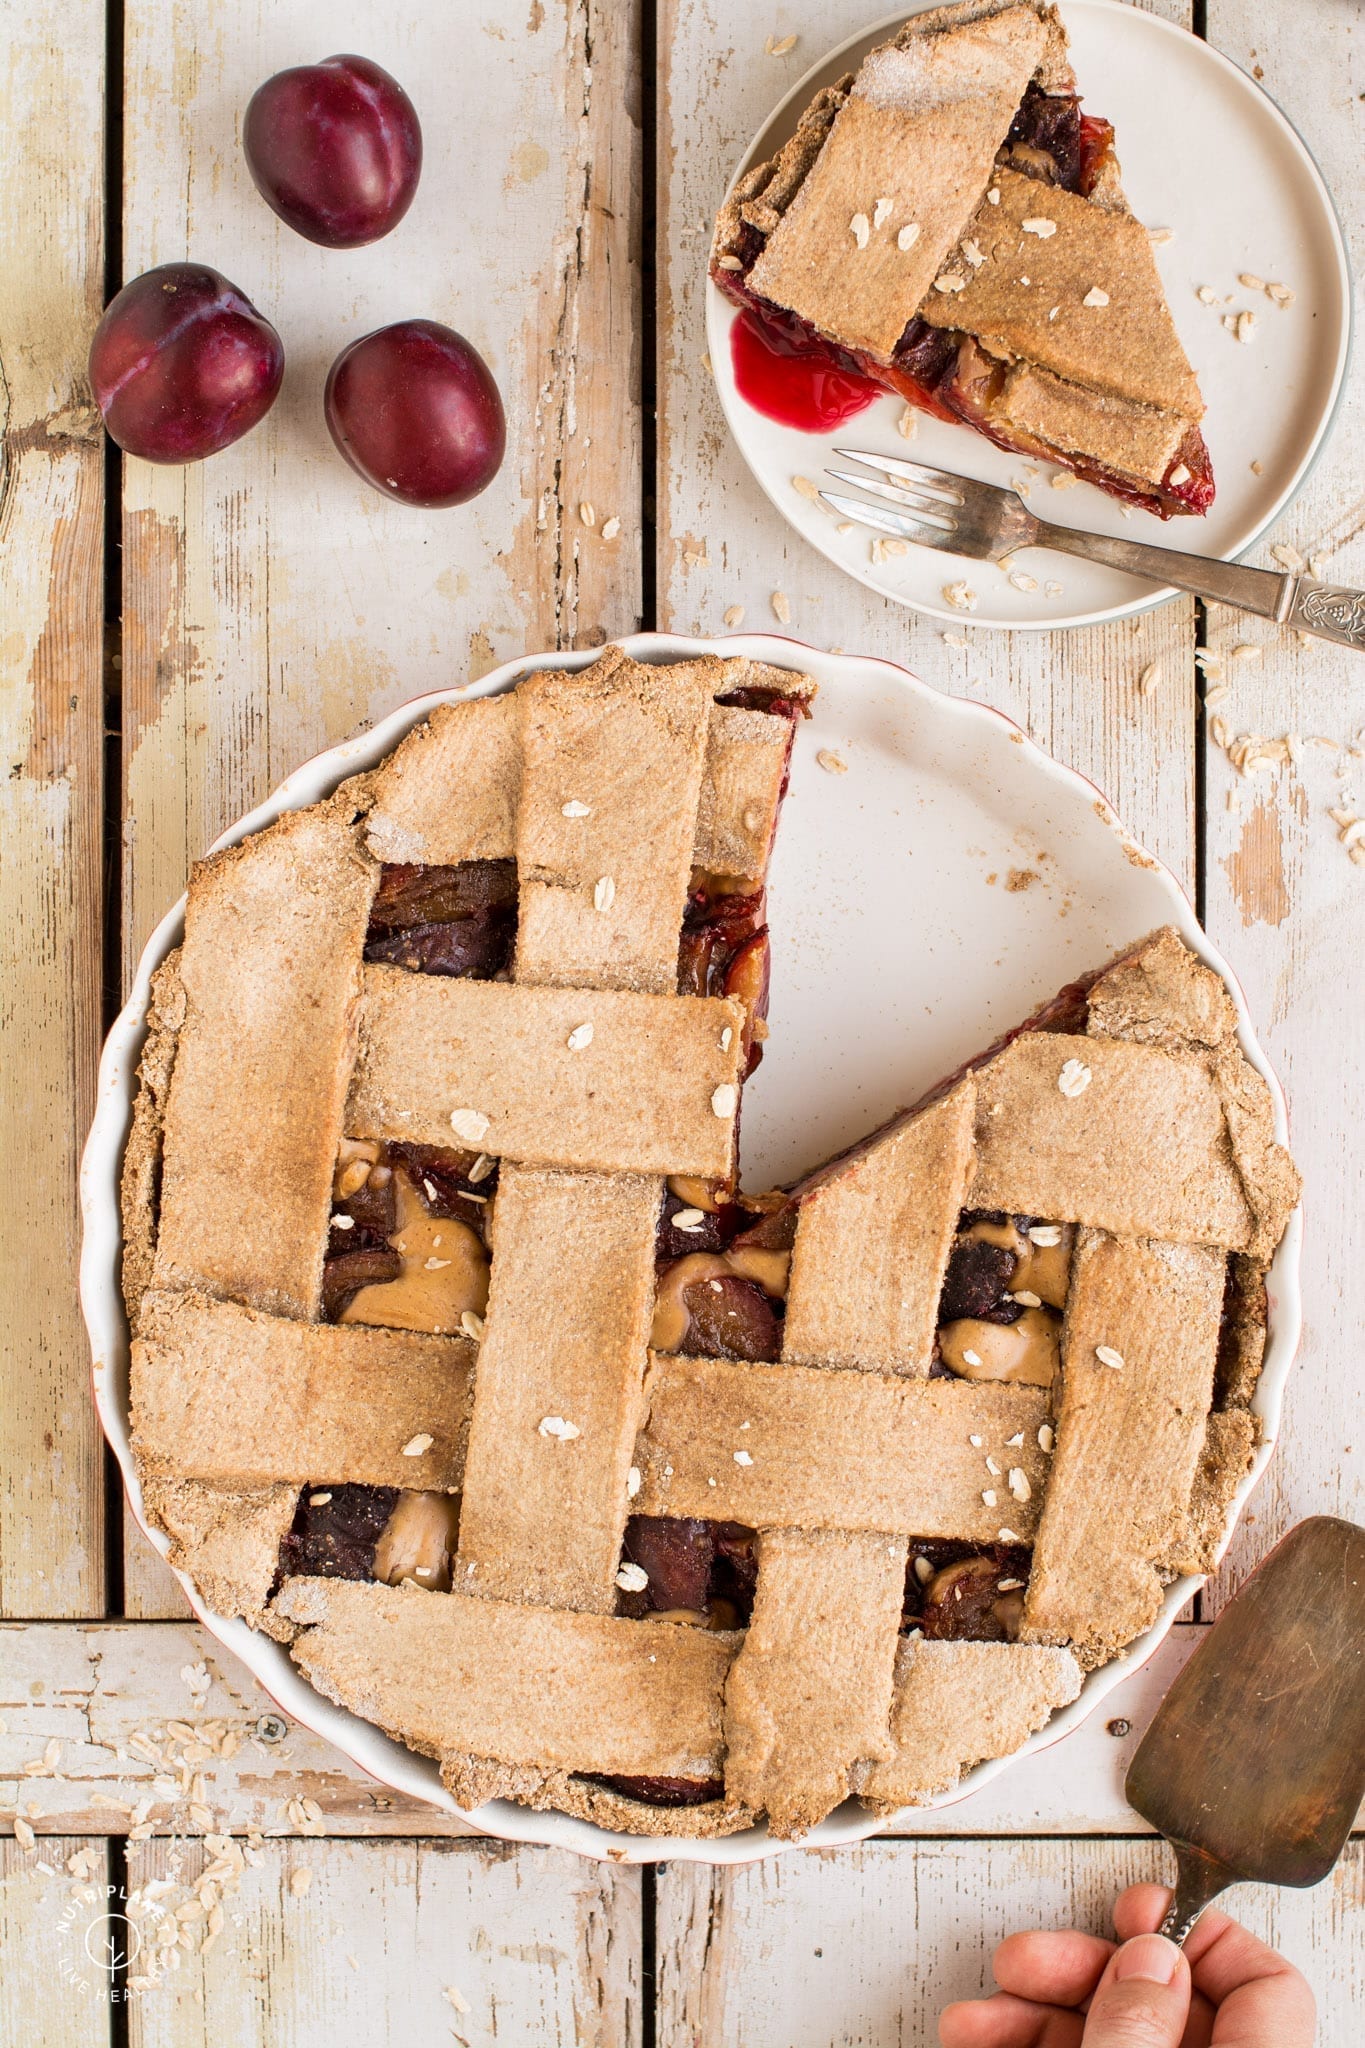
{"x": 463, "y": 1366}
{"x": 949, "y": 223}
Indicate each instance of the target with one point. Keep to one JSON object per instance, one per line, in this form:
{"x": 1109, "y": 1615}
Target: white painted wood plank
{"x": 51, "y": 724}
{"x": 397, "y": 1943}
{"x": 1283, "y": 899}
{"x": 51, "y": 1994}
{"x": 862, "y": 1948}
{"x": 136, "y": 1746}
{"x": 274, "y": 602}
{"x": 722, "y": 544}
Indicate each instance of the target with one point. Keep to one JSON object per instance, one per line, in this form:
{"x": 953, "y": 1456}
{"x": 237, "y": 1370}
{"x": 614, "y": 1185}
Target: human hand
{"x": 1072, "y": 1990}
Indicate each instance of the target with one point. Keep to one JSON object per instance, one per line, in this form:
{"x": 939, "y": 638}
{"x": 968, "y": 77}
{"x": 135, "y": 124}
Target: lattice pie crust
{"x": 1122, "y": 1135}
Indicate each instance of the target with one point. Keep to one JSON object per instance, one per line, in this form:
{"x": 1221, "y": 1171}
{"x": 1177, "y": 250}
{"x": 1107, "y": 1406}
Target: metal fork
{"x": 964, "y": 517}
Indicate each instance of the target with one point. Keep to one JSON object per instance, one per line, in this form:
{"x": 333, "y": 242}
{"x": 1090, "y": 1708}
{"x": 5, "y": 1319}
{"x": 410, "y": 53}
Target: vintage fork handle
{"x": 1330, "y": 611}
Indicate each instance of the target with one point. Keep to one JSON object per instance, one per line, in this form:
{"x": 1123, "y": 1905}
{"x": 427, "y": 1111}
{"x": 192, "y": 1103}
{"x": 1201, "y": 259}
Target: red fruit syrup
{"x": 792, "y": 376}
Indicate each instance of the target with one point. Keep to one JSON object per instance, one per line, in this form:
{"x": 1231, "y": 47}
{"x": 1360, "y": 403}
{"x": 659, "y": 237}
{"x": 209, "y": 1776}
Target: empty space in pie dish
{"x": 1204, "y": 153}
{"x": 933, "y": 886}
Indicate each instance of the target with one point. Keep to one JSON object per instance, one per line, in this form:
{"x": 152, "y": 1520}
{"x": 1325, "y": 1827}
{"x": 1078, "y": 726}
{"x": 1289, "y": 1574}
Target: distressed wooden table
{"x": 174, "y": 641}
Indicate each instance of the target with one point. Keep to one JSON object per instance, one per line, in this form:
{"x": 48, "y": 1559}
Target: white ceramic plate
{"x": 899, "y": 949}
{"x": 1207, "y": 154}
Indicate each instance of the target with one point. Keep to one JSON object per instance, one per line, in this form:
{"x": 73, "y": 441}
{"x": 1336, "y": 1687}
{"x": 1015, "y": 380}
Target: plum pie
{"x": 948, "y": 223}
{"x": 464, "y": 1366}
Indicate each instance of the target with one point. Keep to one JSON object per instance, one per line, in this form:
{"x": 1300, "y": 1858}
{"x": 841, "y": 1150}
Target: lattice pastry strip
{"x": 809, "y": 1702}
{"x": 553, "y": 1698}
{"x": 559, "y": 1388}
{"x": 1139, "y": 1347}
{"x": 270, "y": 972}
{"x": 221, "y": 1392}
{"x": 608, "y": 1081}
{"x": 611, "y": 778}
{"x": 450, "y": 792}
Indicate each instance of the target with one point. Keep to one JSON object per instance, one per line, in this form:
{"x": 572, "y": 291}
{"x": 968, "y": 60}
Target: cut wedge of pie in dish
{"x": 463, "y": 1365}
{"x": 949, "y": 223}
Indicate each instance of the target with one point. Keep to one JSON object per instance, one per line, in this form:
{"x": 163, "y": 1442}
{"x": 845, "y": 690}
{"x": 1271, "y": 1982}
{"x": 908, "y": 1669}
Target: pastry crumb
{"x": 832, "y": 763}
{"x": 781, "y": 605}
{"x": 960, "y": 595}
{"x": 1149, "y": 679}
{"x": 804, "y": 488}
{"x": 733, "y": 616}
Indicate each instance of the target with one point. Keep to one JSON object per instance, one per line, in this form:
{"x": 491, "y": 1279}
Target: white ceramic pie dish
{"x": 1206, "y": 153}
{"x": 928, "y": 897}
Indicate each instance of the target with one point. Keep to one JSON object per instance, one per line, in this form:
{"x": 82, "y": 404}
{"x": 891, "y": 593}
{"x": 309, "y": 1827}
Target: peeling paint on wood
{"x": 862, "y": 1948}
{"x": 1303, "y": 967}
{"x": 51, "y": 724}
{"x": 395, "y": 1943}
{"x": 49, "y": 1989}
{"x": 1255, "y": 871}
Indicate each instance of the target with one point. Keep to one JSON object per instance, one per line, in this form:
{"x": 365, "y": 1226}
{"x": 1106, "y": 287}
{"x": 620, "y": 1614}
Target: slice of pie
{"x": 949, "y": 223}
{"x": 463, "y": 1365}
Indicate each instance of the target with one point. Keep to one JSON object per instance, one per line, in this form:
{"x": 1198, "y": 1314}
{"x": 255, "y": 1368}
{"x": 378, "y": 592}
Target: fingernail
{"x": 1150, "y": 1956}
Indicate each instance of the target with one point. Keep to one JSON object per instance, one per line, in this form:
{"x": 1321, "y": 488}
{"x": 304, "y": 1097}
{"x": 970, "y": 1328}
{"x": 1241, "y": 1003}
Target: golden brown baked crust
{"x": 567, "y": 1326}
{"x": 958, "y": 1704}
{"x": 270, "y": 972}
{"x": 220, "y": 1391}
{"x": 552, "y": 1415}
{"x": 916, "y": 140}
{"x": 808, "y": 1433}
{"x": 905, "y": 195}
{"x": 872, "y": 1242}
{"x": 638, "y": 1096}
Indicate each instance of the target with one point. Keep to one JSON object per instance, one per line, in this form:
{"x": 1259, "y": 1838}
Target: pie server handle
{"x": 1330, "y": 611}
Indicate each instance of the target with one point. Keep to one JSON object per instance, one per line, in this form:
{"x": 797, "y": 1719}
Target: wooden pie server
{"x": 1254, "y": 1768}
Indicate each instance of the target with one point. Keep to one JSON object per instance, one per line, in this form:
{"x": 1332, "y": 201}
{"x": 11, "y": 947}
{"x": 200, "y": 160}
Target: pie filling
{"x": 788, "y": 369}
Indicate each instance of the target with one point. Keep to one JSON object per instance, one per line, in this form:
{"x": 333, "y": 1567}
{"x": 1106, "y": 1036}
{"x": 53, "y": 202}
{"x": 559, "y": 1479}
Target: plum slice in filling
{"x": 698, "y": 1574}
{"x": 458, "y": 920}
{"x": 964, "y": 1592}
{"x": 1000, "y": 1309}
